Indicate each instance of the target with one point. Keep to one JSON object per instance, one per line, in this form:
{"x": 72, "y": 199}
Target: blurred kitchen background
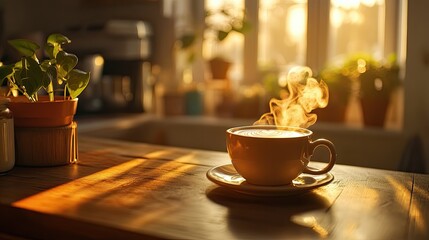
{"x": 220, "y": 61}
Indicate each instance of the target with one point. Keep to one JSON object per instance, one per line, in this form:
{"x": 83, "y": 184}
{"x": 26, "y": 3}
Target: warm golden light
{"x": 416, "y": 214}
{"x": 361, "y": 65}
{"x": 312, "y": 222}
{"x": 187, "y": 76}
{"x": 99, "y": 61}
{"x": 353, "y": 4}
{"x": 106, "y": 187}
{"x": 378, "y": 84}
{"x": 297, "y": 24}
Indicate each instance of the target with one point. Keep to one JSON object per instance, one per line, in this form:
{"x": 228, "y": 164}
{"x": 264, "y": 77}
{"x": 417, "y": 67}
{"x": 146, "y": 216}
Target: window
{"x": 282, "y": 33}
{"x": 317, "y": 34}
{"x": 221, "y": 15}
{"x": 356, "y": 26}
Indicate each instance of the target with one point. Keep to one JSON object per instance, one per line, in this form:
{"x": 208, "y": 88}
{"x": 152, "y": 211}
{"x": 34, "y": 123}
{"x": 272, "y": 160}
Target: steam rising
{"x": 304, "y": 94}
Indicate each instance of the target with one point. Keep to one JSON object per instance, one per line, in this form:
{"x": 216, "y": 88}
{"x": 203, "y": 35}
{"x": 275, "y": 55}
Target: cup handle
{"x": 332, "y": 155}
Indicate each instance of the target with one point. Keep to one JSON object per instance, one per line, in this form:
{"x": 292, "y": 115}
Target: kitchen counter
{"x": 129, "y": 190}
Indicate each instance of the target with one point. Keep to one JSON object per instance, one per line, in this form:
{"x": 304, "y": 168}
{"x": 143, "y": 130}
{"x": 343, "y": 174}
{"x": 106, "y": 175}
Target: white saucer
{"x": 227, "y": 176}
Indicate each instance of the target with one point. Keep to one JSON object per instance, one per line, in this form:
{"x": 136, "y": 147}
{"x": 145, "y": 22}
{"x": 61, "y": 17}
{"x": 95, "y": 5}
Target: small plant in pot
{"x": 377, "y": 81}
{"x": 40, "y": 113}
{"x": 29, "y": 76}
{"x": 219, "y": 25}
{"x": 340, "y": 89}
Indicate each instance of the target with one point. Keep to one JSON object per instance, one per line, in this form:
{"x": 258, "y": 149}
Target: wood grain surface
{"x": 125, "y": 190}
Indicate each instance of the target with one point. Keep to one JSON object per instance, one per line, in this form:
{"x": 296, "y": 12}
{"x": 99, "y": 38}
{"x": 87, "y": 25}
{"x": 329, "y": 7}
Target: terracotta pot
{"x": 45, "y": 133}
{"x": 42, "y": 113}
{"x": 374, "y": 111}
{"x": 219, "y": 68}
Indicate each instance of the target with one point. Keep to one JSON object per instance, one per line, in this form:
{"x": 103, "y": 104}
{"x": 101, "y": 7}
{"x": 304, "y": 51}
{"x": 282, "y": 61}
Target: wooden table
{"x": 124, "y": 190}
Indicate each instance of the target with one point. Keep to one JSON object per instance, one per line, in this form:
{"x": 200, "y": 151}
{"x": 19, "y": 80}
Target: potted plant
{"x": 220, "y": 24}
{"x": 340, "y": 88}
{"x": 377, "y": 81}
{"x": 40, "y": 113}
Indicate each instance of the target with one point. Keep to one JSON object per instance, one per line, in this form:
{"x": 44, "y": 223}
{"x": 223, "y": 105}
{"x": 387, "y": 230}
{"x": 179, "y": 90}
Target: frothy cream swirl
{"x": 269, "y": 133}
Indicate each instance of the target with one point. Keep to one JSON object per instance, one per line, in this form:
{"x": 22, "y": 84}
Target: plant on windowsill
{"x": 44, "y": 127}
{"x": 219, "y": 25}
{"x": 340, "y": 88}
{"x": 377, "y": 81}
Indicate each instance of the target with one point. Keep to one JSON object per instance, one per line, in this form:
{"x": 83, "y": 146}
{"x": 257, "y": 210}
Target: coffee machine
{"x": 118, "y": 55}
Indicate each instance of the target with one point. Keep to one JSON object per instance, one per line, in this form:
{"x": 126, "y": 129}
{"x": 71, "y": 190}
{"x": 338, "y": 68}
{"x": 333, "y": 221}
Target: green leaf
{"x": 49, "y": 76}
{"x": 51, "y": 51}
{"x": 245, "y": 27}
{"x": 187, "y": 40}
{"x": 221, "y": 35}
{"x": 5, "y": 72}
{"x": 54, "y": 42}
{"x": 77, "y": 82}
{"x": 57, "y": 39}
{"x": 25, "y": 47}
{"x": 46, "y": 64}
{"x": 31, "y": 76}
{"x": 17, "y": 76}
{"x": 65, "y": 63}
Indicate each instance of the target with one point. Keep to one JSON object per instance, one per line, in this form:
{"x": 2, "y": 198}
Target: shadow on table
{"x": 306, "y": 215}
